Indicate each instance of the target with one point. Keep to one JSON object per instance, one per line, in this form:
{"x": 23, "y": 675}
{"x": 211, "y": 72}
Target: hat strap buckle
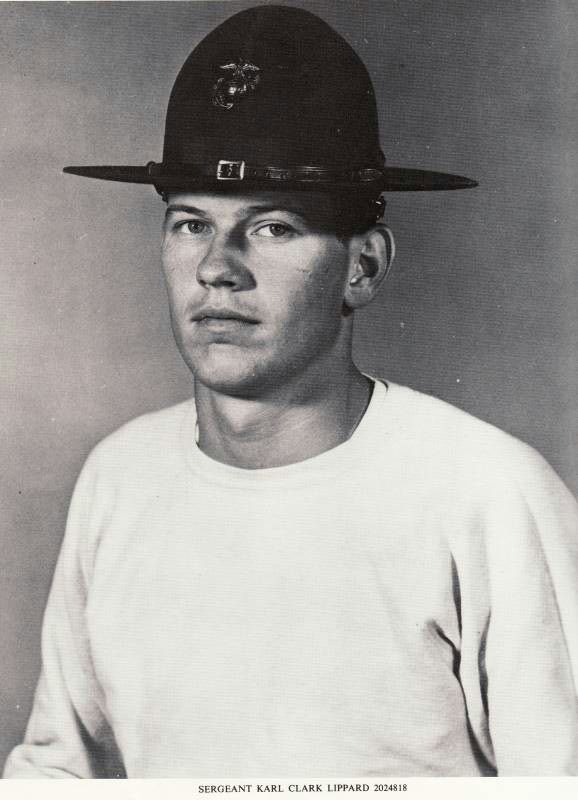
{"x": 230, "y": 170}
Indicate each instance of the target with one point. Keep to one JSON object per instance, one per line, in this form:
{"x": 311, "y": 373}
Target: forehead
{"x": 316, "y": 207}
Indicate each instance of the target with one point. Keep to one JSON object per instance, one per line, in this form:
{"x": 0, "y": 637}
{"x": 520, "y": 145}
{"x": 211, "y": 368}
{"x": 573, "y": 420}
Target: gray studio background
{"x": 480, "y": 309}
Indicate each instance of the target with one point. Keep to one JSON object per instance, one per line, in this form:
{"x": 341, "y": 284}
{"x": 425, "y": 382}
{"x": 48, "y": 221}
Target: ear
{"x": 371, "y": 261}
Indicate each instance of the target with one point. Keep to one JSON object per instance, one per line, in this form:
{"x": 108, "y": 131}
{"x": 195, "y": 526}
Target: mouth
{"x": 208, "y": 315}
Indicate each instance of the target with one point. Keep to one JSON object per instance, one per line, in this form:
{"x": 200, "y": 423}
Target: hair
{"x": 354, "y": 215}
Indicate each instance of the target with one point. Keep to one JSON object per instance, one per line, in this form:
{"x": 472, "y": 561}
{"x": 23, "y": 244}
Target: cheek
{"x": 179, "y": 279}
{"x": 310, "y": 299}
{"x": 322, "y": 283}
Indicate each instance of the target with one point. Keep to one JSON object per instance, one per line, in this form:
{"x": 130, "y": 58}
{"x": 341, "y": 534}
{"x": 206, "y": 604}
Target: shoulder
{"x": 124, "y": 472}
{"x": 442, "y": 427}
{"x": 493, "y": 498}
{"x": 150, "y": 441}
{"x": 467, "y": 452}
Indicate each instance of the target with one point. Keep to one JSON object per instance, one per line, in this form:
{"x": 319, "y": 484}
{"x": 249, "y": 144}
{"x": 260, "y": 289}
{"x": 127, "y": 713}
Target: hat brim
{"x": 391, "y": 179}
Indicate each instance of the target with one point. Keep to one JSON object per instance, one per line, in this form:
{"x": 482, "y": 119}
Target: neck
{"x": 296, "y": 423}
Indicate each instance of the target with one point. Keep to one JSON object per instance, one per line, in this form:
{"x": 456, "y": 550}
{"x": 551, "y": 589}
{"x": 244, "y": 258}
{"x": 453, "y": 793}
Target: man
{"x": 304, "y": 571}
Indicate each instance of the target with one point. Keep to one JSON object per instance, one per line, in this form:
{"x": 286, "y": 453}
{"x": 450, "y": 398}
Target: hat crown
{"x": 273, "y": 85}
{"x": 274, "y": 98}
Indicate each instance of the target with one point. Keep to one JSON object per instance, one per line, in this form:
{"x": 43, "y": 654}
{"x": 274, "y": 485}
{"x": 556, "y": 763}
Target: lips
{"x": 211, "y": 313}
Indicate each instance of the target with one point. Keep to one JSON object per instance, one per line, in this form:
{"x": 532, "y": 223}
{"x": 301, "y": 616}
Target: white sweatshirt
{"x": 403, "y": 604}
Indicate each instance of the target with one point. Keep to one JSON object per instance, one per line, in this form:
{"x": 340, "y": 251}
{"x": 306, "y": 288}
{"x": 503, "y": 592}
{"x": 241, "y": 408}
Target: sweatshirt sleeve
{"x": 68, "y": 735}
{"x": 531, "y": 650}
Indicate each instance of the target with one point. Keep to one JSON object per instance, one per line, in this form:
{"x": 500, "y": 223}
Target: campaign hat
{"x": 274, "y": 98}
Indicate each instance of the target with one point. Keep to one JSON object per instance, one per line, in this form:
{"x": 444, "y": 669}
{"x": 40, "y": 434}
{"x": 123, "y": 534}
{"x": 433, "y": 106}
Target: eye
{"x": 196, "y": 227}
{"x": 275, "y": 230}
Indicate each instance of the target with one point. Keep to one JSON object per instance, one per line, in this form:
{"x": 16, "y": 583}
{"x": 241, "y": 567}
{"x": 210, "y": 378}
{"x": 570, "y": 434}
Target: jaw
{"x": 257, "y": 372}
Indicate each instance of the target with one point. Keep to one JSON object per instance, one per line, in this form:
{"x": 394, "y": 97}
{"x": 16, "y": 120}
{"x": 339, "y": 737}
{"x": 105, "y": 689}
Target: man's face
{"x": 256, "y": 286}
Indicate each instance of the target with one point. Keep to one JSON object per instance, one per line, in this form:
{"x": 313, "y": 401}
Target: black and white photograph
{"x": 289, "y": 391}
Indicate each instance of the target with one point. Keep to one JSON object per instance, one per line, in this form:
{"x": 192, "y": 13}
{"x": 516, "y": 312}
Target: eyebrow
{"x": 176, "y": 207}
{"x": 264, "y": 209}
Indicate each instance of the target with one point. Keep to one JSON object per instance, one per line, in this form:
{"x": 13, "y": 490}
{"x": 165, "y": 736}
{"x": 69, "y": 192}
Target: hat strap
{"x": 225, "y": 170}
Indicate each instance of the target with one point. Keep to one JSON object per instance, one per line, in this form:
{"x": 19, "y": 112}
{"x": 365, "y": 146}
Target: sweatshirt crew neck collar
{"x": 322, "y": 467}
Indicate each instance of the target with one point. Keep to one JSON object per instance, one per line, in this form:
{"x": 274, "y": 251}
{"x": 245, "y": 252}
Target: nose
{"x": 224, "y": 266}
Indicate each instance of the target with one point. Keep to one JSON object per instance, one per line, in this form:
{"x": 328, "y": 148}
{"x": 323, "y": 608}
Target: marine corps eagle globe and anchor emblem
{"x": 242, "y": 77}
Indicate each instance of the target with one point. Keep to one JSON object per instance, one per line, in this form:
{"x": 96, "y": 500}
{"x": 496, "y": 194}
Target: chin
{"x": 227, "y": 371}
